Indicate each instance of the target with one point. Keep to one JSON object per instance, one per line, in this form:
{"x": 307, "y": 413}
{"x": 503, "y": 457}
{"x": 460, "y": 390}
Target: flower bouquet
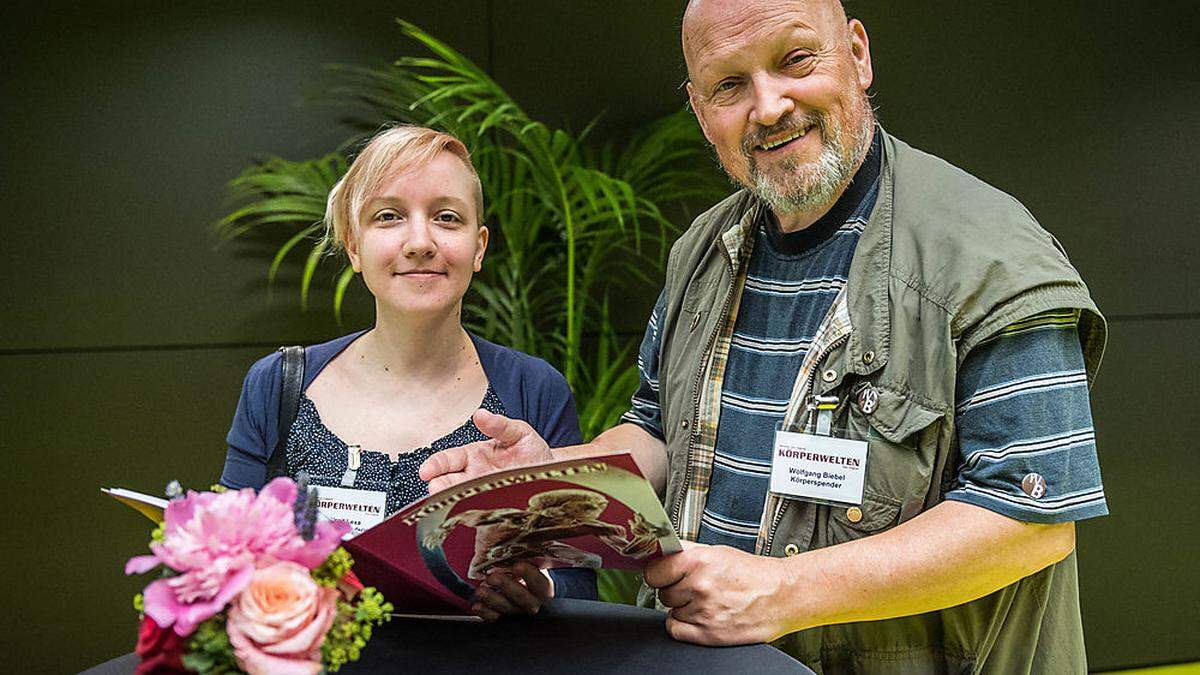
{"x": 251, "y": 582}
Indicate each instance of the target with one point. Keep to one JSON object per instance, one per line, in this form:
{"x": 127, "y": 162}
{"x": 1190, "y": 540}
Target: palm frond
{"x": 573, "y": 218}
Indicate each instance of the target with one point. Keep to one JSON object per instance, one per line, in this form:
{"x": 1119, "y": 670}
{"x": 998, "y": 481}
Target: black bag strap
{"x": 289, "y": 403}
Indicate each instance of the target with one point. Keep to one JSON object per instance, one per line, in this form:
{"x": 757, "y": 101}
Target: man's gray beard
{"x": 810, "y": 185}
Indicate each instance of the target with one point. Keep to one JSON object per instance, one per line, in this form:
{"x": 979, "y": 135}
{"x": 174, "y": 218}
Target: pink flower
{"x": 216, "y": 541}
{"x": 279, "y": 621}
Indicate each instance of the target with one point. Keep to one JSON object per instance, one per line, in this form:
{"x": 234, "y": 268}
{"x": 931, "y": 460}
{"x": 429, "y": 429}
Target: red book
{"x": 593, "y": 512}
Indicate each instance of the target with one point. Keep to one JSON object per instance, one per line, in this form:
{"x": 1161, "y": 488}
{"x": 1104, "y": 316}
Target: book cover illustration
{"x": 592, "y": 512}
{"x": 429, "y": 557}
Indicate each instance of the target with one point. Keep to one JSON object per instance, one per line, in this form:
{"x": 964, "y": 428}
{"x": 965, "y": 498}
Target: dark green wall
{"x": 125, "y": 331}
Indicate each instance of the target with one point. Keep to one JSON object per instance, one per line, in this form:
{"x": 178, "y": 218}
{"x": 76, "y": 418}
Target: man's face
{"x": 779, "y": 88}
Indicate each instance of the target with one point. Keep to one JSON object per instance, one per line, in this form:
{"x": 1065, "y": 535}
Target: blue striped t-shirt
{"x": 1023, "y": 414}
{"x": 791, "y": 283}
{"x": 1023, "y": 418}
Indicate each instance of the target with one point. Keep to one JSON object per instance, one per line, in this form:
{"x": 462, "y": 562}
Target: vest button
{"x": 684, "y": 425}
{"x": 791, "y": 550}
{"x": 854, "y": 514}
{"x": 829, "y": 375}
{"x": 869, "y": 358}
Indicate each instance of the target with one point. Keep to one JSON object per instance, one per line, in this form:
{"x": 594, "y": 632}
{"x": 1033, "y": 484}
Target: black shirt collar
{"x": 792, "y": 243}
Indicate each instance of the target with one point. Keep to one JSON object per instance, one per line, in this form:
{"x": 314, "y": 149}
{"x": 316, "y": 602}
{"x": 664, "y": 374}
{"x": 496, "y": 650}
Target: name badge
{"x": 818, "y": 468}
{"x": 363, "y": 509}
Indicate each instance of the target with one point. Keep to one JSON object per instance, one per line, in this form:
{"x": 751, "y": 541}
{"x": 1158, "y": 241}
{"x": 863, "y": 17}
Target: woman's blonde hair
{"x": 398, "y": 149}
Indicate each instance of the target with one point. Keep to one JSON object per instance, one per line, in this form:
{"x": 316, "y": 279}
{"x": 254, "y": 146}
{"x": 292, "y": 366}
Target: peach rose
{"x": 279, "y": 621}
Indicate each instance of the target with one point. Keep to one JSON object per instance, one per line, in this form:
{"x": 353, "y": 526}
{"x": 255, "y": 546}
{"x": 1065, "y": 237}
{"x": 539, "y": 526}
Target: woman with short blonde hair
{"x": 375, "y": 404}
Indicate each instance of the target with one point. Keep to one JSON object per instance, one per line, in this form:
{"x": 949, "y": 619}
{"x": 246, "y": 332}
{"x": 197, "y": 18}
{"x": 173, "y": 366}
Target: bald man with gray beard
{"x": 900, "y": 318}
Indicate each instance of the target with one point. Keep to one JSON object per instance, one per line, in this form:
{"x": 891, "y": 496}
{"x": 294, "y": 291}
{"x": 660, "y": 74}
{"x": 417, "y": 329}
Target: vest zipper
{"x": 812, "y": 376}
{"x": 687, "y": 472}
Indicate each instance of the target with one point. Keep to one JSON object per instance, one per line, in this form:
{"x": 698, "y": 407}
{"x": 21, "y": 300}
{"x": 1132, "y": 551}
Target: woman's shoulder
{"x": 263, "y": 371}
{"x": 506, "y": 363}
{"x": 266, "y": 370}
{"x": 318, "y": 356}
{"x": 532, "y": 390}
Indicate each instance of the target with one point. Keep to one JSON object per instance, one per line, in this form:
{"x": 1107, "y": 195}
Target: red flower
{"x": 161, "y": 649}
{"x": 349, "y": 585}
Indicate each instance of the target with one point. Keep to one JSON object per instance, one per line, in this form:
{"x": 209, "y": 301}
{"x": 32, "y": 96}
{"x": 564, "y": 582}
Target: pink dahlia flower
{"x": 215, "y": 541}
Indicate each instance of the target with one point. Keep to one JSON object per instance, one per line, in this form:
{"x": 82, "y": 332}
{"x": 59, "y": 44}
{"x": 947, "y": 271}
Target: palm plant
{"x": 574, "y": 223}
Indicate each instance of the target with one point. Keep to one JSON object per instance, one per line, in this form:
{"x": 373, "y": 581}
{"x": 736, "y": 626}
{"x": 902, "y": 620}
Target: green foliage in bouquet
{"x": 209, "y": 651}
{"x": 334, "y": 568}
{"x": 352, "y": 628}
{"x": 574, "y": 223}
{"x": 355, "y": 622}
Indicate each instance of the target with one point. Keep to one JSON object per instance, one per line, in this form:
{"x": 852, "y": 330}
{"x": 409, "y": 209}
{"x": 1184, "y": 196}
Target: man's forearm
{"x": 649, "y": 452}
{"x": 951, "y": 554}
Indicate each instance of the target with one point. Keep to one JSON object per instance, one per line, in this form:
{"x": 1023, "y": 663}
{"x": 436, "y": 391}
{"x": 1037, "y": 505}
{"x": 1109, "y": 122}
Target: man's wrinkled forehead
{"x": 709, "y": 23}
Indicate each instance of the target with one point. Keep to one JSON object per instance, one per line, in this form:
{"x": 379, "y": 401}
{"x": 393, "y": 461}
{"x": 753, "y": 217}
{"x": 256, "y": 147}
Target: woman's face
{"x": 419, "y": 241}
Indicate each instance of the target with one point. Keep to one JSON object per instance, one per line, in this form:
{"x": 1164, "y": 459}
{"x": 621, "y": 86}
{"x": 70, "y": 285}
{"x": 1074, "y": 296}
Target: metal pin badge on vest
{"x": 867, "y": 398}
{"x": 1034, "y": 485}
{"x": 821, "y": 409}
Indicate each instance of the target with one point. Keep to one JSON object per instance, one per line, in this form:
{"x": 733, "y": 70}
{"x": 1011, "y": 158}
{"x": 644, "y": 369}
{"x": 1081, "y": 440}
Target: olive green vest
{"x": 945, "y": 262}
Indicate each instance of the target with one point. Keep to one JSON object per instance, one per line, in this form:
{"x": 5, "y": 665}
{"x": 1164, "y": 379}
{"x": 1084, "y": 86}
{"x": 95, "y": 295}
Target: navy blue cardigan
{"x": 530, "y": 389}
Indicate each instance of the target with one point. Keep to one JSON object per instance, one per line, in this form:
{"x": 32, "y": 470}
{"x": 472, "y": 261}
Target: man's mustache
{"x": 789, "y": 125}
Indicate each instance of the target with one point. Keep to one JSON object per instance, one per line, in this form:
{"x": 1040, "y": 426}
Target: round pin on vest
{"x": 868, "y": 399}
{"x": 1034, "y": 485}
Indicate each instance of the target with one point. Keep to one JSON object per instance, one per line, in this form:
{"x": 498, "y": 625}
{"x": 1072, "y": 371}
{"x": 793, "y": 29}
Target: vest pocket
{"x": 877, "y": 512}
{"x": 900, "y": 460}
{"x": 897, "y": 417}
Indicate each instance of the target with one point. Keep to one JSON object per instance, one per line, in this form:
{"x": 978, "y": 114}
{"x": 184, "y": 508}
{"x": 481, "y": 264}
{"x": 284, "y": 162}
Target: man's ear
{"x": 482, "y": 247}
{"x": 860, "y": 49}
{"x": 697, "y": 110}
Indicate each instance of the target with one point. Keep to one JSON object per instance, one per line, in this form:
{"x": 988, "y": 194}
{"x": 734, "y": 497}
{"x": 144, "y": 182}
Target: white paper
{"x": 818, "y": 468}
{"x": 157, "y": 502}
{"x": 363, "y": 509}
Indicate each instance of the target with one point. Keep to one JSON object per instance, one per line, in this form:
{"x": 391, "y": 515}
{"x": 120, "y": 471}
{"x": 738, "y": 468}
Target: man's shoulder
{"x": 949, "y": 226}
{"x": 940, "y": 201}
{"x": 977, "y": 252}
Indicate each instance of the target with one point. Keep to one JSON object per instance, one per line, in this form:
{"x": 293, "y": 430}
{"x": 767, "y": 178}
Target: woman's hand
{"x": 512, "y": 443}
{"x": 521, "y": 589}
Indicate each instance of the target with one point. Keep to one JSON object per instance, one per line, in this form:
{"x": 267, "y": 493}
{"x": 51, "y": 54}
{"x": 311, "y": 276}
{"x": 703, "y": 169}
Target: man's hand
{"x": 948, "y": 555}
{"x": 523, "y": 589}
{"x": 721, "y": 596}
{"x": 512, "y": 443}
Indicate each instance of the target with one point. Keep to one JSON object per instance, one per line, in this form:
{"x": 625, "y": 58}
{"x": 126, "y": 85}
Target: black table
{"x": 567, "y": 636}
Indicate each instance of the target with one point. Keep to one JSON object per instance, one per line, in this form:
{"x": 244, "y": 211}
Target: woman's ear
{"x": 352, "y": 251}
{"x": 481, "y": 248}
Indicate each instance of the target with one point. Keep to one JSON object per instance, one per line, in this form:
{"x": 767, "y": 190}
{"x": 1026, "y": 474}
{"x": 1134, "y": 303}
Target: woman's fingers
{"x": 535, "y": 579}
{"x": 516, "y": 593}
{"x": 484, "y": 612}
{"x": 495, "y": 599}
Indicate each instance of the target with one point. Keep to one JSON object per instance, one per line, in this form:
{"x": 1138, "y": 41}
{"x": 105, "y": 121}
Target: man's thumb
{"x": 504, "y": 430}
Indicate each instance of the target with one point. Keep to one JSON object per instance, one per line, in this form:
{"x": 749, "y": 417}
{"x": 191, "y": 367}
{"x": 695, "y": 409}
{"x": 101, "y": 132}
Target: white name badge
{"x": 818, "y": 468}
{"x": 363, "y": 509}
